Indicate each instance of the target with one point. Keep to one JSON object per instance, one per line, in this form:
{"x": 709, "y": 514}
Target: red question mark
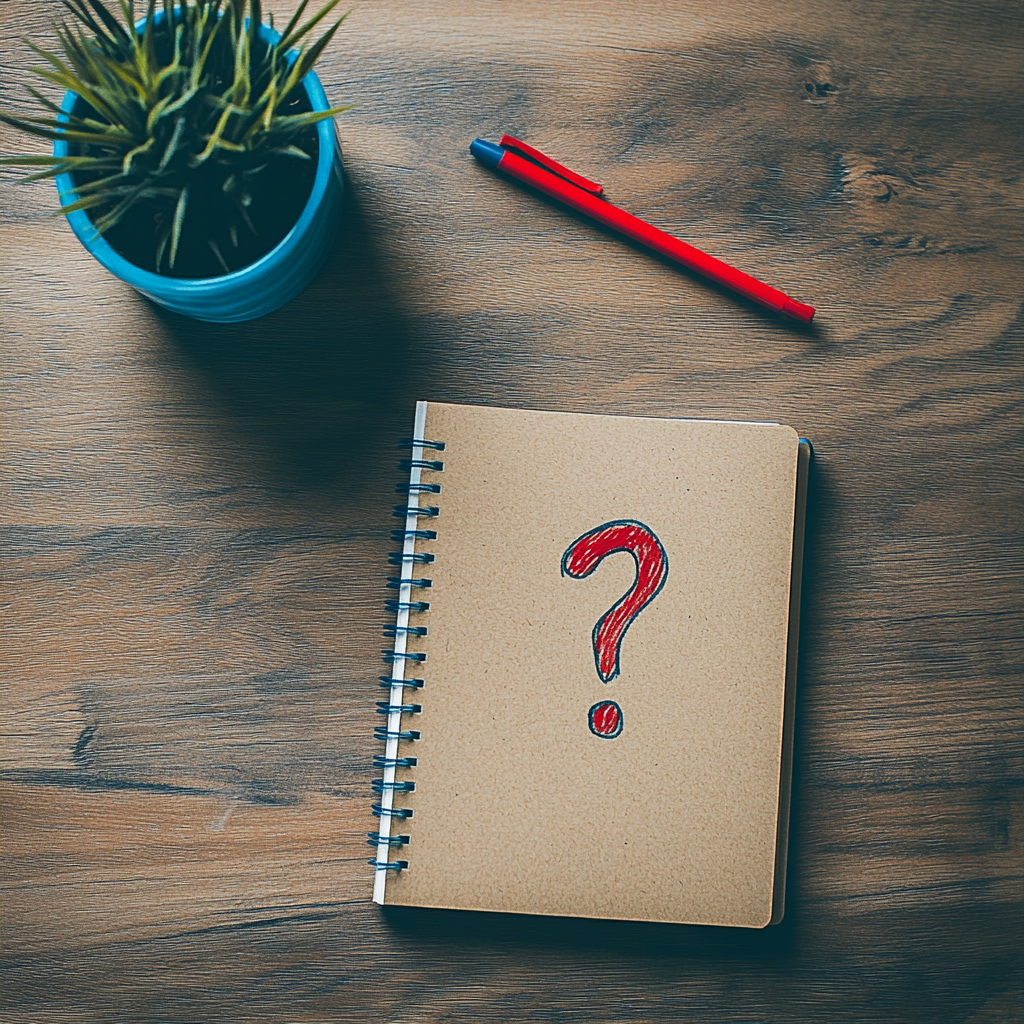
{"x": 581, "y": 558}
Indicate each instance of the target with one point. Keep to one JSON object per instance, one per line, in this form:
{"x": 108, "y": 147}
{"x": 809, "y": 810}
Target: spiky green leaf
{"x": 179, "y": 218}
{"x": 195, "y": 103}
{"x": 294, "y": 35}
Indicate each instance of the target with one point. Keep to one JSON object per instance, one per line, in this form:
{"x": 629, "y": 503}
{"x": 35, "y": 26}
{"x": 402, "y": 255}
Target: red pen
{"x": 533, "y": 167}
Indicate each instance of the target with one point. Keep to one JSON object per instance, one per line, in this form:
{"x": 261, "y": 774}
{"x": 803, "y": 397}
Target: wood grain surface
{"x": 195, "y": 517}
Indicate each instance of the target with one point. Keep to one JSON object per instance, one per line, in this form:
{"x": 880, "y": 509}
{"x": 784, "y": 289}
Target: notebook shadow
{"x": 620, "y": 940}
{"x": 314, "y": 382}
{"x": 820, "y": 505}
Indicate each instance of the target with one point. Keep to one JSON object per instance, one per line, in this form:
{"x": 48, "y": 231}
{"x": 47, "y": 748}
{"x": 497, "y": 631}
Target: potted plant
{"x": 194, "y": 151}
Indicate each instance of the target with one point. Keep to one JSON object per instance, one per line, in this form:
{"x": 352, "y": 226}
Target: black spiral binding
{"x": 386, "y": 682}
{"x": 418, "y": 488}
{"x": 397, "y": 582}
{"x": 398, "y": 656}
{"x": 413, "y": 442}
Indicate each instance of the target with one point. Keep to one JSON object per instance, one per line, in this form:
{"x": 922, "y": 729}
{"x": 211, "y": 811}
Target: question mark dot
{"x": 606, "y": 719}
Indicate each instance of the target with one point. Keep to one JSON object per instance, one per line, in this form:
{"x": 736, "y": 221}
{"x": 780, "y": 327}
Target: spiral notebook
{"x": 592, "y": 678}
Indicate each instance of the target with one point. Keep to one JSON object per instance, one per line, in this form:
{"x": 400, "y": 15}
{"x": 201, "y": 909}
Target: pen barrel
{"x": 660, "y": 241}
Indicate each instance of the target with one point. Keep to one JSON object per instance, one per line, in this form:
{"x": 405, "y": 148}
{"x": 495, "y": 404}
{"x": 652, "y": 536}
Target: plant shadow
{"x": 313, "y": 385}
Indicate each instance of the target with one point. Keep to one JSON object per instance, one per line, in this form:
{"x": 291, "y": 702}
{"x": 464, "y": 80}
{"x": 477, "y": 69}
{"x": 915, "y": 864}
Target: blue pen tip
{"x": 488, "y": 153}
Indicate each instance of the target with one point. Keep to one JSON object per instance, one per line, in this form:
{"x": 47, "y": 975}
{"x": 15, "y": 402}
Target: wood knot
{"x": 819, "y": 85}
{"x": 80, "y": 752}
{"x": 865, "y": 179}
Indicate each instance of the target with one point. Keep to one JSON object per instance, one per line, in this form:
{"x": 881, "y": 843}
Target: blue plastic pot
{"x": 259, "y": 288}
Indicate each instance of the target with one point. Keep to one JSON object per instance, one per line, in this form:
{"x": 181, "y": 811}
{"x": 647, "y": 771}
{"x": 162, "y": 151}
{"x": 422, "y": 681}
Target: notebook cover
{"x": 519, "y": 806}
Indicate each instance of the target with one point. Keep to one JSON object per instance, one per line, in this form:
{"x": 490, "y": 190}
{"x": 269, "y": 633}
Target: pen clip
{"x": 537, "y": 157}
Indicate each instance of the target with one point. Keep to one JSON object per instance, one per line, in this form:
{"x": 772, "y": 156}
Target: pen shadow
{"x": 808, "y": 332}
{"x": 313, "y": 385}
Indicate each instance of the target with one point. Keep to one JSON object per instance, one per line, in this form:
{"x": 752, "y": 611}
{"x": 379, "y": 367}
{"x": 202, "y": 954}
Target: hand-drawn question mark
{"x": 581, "y": 558}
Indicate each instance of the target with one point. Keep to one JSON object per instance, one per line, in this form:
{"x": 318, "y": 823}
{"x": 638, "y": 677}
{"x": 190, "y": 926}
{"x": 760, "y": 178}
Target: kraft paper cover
{"x": 518, "y": 806}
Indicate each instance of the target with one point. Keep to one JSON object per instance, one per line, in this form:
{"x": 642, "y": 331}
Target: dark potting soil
{"x": 279, "y": 193}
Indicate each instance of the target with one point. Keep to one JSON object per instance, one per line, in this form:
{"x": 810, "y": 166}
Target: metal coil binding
{"x": 418, "y": 442}
{"x": 383, "y": 733}
{"x": 410, "y": 558}
{"x": 382, "y": 786}
{"x": 398, "y": 656}
{"x": 397, "y": 582}
{"x": 408, "y": 630}
{"x": 405, "y": 656}
{"x": 376, "y": 839}
{"x": 404, "y": 511}
{"x": 413, "y": 606}
{"x": 393, "y": 762}
{"x": 385, "y": 707}
{"x": 418, "y": 488}
{"x": 386, "y": 682}
{"x": 400, "y": 535}
{"x": 382, "y": 812}
{"x": 388, "y": 865}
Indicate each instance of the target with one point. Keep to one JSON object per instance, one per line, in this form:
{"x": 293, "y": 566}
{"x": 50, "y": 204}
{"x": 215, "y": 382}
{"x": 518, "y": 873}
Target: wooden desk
{"x": 196, "y": 517}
